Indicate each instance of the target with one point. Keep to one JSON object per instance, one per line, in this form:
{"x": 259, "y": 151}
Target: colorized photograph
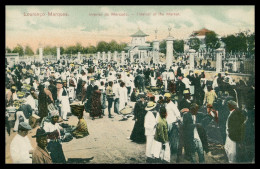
{"x": 129, "y": 84}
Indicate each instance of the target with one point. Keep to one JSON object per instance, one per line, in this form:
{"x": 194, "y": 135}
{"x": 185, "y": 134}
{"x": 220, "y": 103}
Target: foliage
{"x": 28, "y": 51}
{"x": 240, "y": 42}
{"x": 162, "y": 47}
{"x": 18, "y": 49}
{"x": 194, "y": 43}
{"x": 212, "y": 41}
{"x": 178, "y": 46}
{"x": 8, "y": 50}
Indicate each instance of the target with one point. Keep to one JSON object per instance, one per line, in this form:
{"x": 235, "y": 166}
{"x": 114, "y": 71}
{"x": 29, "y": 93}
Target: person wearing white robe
{"x": 65, "y": 108}
{"x": 151, "y": 119}
{"x": 122, "y": 96}
{"x": 20, "y": 147}
{"x": 164, "y": 78}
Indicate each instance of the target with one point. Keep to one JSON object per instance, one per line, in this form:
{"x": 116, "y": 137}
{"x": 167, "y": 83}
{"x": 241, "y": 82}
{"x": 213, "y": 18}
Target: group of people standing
{"x": 172, "y": 115}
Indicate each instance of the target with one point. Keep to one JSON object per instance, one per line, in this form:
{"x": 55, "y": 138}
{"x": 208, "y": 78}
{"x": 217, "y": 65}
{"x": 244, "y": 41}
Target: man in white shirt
{"x": 187, "y": 82}
{"x": 173, "y": 118}
{"x": 164, "y": 78}
{"x": 20, "y": 147}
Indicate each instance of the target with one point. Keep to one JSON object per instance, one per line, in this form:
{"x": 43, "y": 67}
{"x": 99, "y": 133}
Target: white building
{"x": 12, "y": 58}
{"x": 201, "y": 34}
{"x": 138, "y": 47}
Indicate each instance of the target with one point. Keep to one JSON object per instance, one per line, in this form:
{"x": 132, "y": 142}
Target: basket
{"x": 77, "y": 109}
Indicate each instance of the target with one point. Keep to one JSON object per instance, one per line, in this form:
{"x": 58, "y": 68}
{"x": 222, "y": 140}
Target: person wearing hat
{"x": 20, "y": 147}
{"x": 150, "y": 122}
{"x": 235, "y": 130}
{"x": 173, "y": 120}
{"x": 54, "y": 129}
{"x": 40, "y": 154}
{"x": 185, "y": 102}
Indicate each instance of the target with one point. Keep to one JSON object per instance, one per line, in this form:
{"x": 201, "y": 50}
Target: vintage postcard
{"x": 115, "y": 84}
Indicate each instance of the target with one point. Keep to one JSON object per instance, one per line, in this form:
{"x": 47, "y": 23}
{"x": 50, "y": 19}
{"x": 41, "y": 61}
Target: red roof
{"x": 201, "y": 32}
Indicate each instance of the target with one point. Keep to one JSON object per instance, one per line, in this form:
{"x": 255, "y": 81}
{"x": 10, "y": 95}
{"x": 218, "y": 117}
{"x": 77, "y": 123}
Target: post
{"x": 156, "y": 51}
{"x": 58, "y": 53}
{"x": 98, "y": 55}
{"x": 219, "y": 52}
{"x": 169, "y": 52}
{"x": 79, "y": 56}
{"x": 115, "y": 56}
{"x": 108, "y": 56}
{"x": 103, "y": 56}
{"x": 192, "y": 53}
{"x": 122, "y": 57}
{"x": 40, "y": 53}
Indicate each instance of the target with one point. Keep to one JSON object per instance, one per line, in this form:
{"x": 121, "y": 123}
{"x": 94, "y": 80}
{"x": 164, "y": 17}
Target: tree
{"x": 47, "y": 50}
{"x": 194, "y": 43}
{"x": 62, "y": 50}
{"x": 78, "y": 48}
{"x": 8, "y": 50}
{"x": 178, "y": 46}
{"x": 102, "y": 46}
{"x": 163, "y": 46}
{"x": 92, "y": 49}
{"x": 240, "y": 42}
{"x": 212, "y": 41}
{"x": 28, "y": 51}
{"x": 251, "y": 43}
{"x": 121, "y": 47}
{"x": 113, "y": 46}
{"x": 18, "y": 49}
{"x": 230, "y": 42}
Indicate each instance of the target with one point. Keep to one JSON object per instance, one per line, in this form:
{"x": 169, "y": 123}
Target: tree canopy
{"x": 240, "y": 42}
{"x": 194, "y": 43}
{"x": 212, "y": 41}
{"x": 18, "y": 49}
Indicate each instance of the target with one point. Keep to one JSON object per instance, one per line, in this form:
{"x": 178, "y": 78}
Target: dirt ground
{"x": 108, "y": 143}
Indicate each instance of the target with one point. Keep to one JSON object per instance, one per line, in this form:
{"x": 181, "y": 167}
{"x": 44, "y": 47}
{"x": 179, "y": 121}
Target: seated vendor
{"x": 81, "y": 129}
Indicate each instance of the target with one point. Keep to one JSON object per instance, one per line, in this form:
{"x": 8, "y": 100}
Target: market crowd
{"x": 172, "y": 111}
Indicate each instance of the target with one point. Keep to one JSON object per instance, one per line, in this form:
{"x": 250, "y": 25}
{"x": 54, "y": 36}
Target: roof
{"x": 144, "y": 48}
{"x": 201, "y": 32}
{"x": 139, "y": 33}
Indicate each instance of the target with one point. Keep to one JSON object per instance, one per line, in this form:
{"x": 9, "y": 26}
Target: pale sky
{"x": 80, "y": 26}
